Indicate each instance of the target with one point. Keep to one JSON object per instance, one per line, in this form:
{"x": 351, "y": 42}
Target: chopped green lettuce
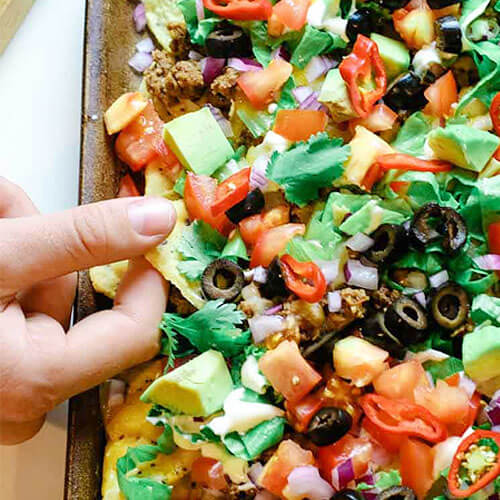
{"x": 485, "y": 308}
{"x": 444, "y": 369}
{"x": 308, "y": 167}
{"x": 235, "y": 248}
{"x": 412, "y": 135}
{"x": 258, "y": 122}
{"x": 198, "y": 30}
{"x": 237, "y": 362}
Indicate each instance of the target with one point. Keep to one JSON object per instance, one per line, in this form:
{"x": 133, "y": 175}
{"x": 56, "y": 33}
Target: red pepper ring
{"x": 305, "y": 279}
{"x": 402, "y": 418}
{"x": 401, "y": 161}
{"x": 241, "y": 10}
{"x": 358, "y": 67}
{"x": 491, "y": 471}
{"x": 495, "y": 113}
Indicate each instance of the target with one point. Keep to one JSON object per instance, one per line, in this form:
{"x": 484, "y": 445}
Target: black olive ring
{"x": 219, "y": 273}
{"x": 450, "y": 306}
{"x": 406, "y": 320}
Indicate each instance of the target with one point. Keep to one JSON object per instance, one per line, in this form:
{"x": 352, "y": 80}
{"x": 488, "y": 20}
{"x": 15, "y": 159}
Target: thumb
{"x": 36, "y": 248}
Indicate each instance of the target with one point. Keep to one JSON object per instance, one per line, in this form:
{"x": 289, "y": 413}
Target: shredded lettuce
{"x": 485, "y": 308}
{"x": 198, "y": 30}
{"x": 444, "y": 369}
{"x": 412, "y": 135}
{"x": 308, "y": 167}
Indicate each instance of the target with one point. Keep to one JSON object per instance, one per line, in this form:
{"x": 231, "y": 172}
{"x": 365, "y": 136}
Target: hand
{"x": 42, "y": 363}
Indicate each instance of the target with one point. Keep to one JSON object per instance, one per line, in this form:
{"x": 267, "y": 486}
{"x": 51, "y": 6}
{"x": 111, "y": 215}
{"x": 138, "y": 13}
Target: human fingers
{"x": 12, "y": 433}
{"x": 14, "y": 202}
{"x": 33, "y": 249}
{"x": 108, "y": 342}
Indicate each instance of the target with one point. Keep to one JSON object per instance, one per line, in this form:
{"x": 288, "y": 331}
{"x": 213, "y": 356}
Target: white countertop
{"x": 40, "y": 96}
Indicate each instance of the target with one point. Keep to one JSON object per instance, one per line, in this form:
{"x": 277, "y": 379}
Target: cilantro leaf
{"x": 200, "y": 245}
{"x": 308, "y": 167}
{"x": 212, "y": 327}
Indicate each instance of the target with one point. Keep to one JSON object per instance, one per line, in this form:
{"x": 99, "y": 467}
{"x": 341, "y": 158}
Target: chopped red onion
{"x": 360, "y": 242}
{"x": 467, "y": 384}
{"x": 145, "y": 45}
{"x": 343, "y": 474}
{"x": 305, "y": 482}
{"x": 301, "y": 93}
{"x": 489, "y": 262}
{"x": 211, "y": 68}
{"x": 334, "y": 301}
{"x": 140, "y": 61}
{"x": 200, "y": 10}
{"x": 318, "y": 66}
{"x": 273, "y": 310}
{"x": 361, "y": 276}
{"x": 139, "y": 17}
{"x": 312, "y": 103}
{"x": 263, "y": 326}
{"x": 493, "y": 409}
{"x": 243, "y": 64}
{"x": 254, "y": 472}
{"x": 194, "y": 56}
{"x": 496, "y": 428}
{"x": 223, "y": 122}
{"x": 258, "y": 177}
{"x": 329, "y": 268}
{"x": 369, "y": 478}
{"x": 420, "y": 298}
{"x": 260, "y": 274}
{"x": 436, "y": 280}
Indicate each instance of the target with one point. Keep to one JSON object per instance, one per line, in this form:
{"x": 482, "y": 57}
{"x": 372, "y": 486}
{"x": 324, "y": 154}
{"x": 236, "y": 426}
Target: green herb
{"x": 180, "y": 183}
{"x": 444, "y": 369}
{"x": 166, "y": 441}
{"x": 483, "y": 427}
{"x": 497, "y": 6}
{"x": 214, "y": 326}
{"x": 200, "y": 245}
{"x": 308, "y": 167}
{"x": 384, "y": 480}
{"x": 235, "y": 248}
{"x": 286, "y": 100}
{"x": 489, "y": 443}
{"x": 445, "y": 472}
{"x": 412, "y": 135}
{"x": 198, "y": 30}
{"x": 485, "y": 308}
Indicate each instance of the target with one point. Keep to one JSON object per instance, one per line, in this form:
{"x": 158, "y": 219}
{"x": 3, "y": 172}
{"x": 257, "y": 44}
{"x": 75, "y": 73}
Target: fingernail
{"x": 152, "y": 216}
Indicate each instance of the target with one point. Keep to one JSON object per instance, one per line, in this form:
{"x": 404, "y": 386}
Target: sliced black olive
{"x": 449, "y": 34}
{"x": 433, "y": 221}
{"x": 251, "y": 205}
{"x": 410, "y": 278}
{"x": 348, "y": 494}
{"x": 397, "y": 493}
{"x": 222, "y": 279}
{"x": 439, "y": 4}
{"x": 374, "y": 329}
{"x": 407, "y": 92}
{"x": 359, "y": 23}
{"x": 275, "y": 284}
{"x": 389, "y": 240}
{"x": 329, "y": 425}
{"x": 406, "y": 320}
{"x": 228, "y": 40}
{"x": 450, "y": 306}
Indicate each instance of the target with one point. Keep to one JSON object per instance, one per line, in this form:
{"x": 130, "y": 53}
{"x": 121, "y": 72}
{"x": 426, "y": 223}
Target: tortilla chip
{"x": 159, "y": 14}
{"x": 165, "y": 258}
{"x": 157, "y": 183}
{"x": 106, "y": 279}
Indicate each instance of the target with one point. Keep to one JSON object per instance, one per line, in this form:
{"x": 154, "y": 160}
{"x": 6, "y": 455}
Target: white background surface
{"x": 40, "y": 96}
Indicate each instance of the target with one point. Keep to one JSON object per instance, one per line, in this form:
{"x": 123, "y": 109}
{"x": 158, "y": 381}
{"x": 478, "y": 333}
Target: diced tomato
{"x": 292, "y": 13}
{"x": 416, "y": 461}
{"x": 288, "y": 372}
{"x": 241, "y": 10}
{"x": 494, "y": 237}
{"x": 261, "y": 86}
{"x": 287, "y": 457}
{"x": 459, "y": 427}
{"x": 299, "y": 124}
{"x": 391, "y": 442}
{"x": 401, "y": 381}
{"x": 300, "y": 413}
{"x": 359, "y": 450}
{"x": 231, "y": 191}
{"x": 199, "y": 194}
{"x": 125, "y": 109}
{"x": 208, "y": 473}
{"x": 274, "y": 26}
{"x": 442, "y": 94}
{"x": 415, "y": 23}
{"x": 127, "y": 187}
{"x": 381, "y": 118}
{"x": 400, "y": 187}
{"x": 446, "y": 403}
{"x": 272, "y": 242}
{"x": 252, "y": 227}
{"x": 141, "y": 142}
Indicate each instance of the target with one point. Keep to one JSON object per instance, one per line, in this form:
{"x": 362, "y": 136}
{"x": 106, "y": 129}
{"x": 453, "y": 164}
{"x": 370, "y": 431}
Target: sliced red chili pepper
{"x": 231, "y": 191}
{"x": 402, "y": 418}
{"x": 495, "y": 113}
{"x": 373, "y": 175}
{"x": 401, "y": 161}
{"x": 305, "y": 279}
{"x": 476, "y": 463}
{"x": 241, "y": 10}
{"x": 359, "y": 68}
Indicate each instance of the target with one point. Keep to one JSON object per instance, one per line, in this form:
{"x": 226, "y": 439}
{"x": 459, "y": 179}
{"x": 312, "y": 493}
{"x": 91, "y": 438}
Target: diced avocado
{"x": 197, "y": 388}
{"x": 463, "y": 146}
{"x": 198, "y": 141}
{"x": 481, "y": 353}
{"x": 395, "y": 55}
{"x": 369, "y": 218}
{"x": 334, "y": 95}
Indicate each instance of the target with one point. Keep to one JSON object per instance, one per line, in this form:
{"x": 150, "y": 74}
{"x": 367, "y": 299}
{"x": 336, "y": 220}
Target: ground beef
{"x": 222, "y": 89}
{"x": 384, "y": 297}
{"x": 180, "y": 44}
{"x": 353, "y": 300}
{"x": 170, "y": 81}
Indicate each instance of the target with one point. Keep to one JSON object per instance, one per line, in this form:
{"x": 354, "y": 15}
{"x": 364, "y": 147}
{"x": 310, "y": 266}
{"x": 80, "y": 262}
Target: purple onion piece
{"x": 263, "y": 326}
{"x": 260, "y": 274}
{"x": 342, "y": 475}
{"x": 200, "y": 10}
{"x": 211, "y": 68}
{"x": 360, "y": 242}
{"x": 145, "y": 45}
{"x": 334, "y": 301}
{"x": 139, "y": 17}
{"x": 318, "y": 66}
{"x": 438, "y": 279}
{"x": 223, "y": 122}
{"x": 243, "y": 64}
{"x": 361, "y": 276}
{"x": 140, "y": 61}
{"x": 273, "y": 310}
{"x": 420, "y": 298}
{"x": 305, "y": 482}
{"x": 489, "y": 262}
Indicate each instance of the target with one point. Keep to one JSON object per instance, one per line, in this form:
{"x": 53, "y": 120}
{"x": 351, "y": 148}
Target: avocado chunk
{"x": 463, "y": 146}
{"x": 395, "y": 55}
{"x": 334, "y": 95}
{"x": 197, "y": 388}
{"x": 198, "y": 141}
{"x": 481, "y": 353}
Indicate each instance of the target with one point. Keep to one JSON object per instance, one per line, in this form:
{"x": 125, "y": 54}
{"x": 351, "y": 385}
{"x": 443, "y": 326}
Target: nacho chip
{"x": 105, "y": 279}
{"x": 157, "y": 183}
{"x": 159, "y": 14}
